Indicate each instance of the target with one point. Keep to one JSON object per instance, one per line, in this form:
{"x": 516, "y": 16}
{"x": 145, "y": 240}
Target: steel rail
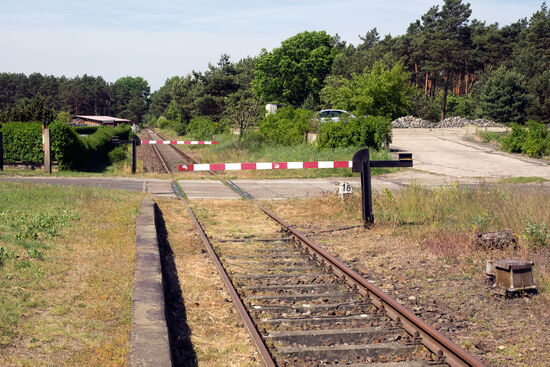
{"x": 267, "y": 359}
{"x": 445, "y": 350}
{"x": 432, "y": 339}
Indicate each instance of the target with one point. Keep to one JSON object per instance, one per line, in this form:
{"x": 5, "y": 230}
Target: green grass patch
{"x": 523, "y": 180}
{"x": 66, "y": 271}
{"x": 231, "y": 150}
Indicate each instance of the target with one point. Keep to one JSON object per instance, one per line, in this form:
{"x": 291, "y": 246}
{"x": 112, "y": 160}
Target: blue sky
{"x": 157, "y": 39}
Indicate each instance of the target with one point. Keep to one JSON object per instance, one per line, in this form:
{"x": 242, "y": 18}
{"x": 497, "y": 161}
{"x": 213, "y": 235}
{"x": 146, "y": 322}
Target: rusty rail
{"x": 254, "y": 334}
{"x": 445, "y": 350}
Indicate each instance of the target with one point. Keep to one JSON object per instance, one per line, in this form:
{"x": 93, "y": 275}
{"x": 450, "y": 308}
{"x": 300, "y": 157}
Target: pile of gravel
{"x": 411, "y": 121}
{"x": 456, "y": 121}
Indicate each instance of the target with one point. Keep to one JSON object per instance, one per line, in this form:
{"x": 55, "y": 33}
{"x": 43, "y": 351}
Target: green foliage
{"x": 295, "y": 70}
{"x": 287, "y": 127}
{"x": 23, "y": 142}
{"x": 63, "y": 116}
{"x": 164, "y": 123}
{"x": 533, "y": 140}
{"x": 202, "y": 128}
{"x": 504, "y": 97}
{"x": 28, "y": 109}
{"x": 372, "y": 131}
{"x": 463, "y": 106}
{"x": 119, "y": 154}
{"x": 85, "y": 130}
{"x": 131, "y": 97}
{"x": 381, "y": 92}
{"x": 537, "y": 235}
{"x": 67, "y": 147}
{"x": 98, "y": 145}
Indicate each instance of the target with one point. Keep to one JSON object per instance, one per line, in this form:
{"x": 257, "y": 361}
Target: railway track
{"x": 304, "y": 307}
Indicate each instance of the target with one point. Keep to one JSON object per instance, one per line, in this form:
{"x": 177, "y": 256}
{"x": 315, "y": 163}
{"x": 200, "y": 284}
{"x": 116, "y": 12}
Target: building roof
{"x": 102, "y": 119}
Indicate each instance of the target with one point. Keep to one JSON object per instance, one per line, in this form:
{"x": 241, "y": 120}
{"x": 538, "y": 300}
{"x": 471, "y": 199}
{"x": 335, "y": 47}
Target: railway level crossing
{"x": 361, "y": 163}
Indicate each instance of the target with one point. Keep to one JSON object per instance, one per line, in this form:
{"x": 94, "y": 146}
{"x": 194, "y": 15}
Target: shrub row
{"x": 533, "y": 140}
{"x": 86, "y": 130}
{"x": 371, "y": 131}
{"x": 23, "y": 143}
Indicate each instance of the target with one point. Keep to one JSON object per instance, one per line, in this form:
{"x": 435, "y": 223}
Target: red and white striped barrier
{"x": 195, "y": 142}
{"x": 260, "y": 166}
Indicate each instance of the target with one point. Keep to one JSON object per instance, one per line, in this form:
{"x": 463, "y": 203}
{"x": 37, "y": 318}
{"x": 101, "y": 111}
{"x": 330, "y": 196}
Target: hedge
{"x": 371, "y": 131}
{"x": 86, "y": 130}
{"x": 23, "y": 143}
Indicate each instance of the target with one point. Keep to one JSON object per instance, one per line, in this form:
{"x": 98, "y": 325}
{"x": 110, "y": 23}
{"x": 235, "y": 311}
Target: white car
{"x": 332, "y": 115}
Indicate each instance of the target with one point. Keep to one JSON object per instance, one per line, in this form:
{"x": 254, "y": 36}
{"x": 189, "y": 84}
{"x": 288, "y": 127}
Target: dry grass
{"x": 218, "y": 336}
{"x": 72, "y": 306}
{"x": 421, "y": 248}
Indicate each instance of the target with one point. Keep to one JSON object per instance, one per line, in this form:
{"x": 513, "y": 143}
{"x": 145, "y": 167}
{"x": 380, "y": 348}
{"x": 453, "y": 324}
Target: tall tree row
{"x": 444, "y": 64}
{"x": 37, "y": 96}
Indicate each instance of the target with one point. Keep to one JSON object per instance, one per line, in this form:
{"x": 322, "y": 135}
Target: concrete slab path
{"x": 449, "y": 152}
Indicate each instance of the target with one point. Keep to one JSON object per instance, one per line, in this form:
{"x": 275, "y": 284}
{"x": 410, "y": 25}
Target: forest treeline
{"x": 445, "y": 64}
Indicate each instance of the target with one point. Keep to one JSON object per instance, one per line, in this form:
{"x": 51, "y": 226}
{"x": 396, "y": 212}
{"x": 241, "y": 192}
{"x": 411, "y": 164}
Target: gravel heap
{"x": 456, "y": 121}
{"x": 411, "y": 121}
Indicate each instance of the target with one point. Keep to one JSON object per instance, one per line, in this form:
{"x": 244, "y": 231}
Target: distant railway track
{"x": 304, "y": 307}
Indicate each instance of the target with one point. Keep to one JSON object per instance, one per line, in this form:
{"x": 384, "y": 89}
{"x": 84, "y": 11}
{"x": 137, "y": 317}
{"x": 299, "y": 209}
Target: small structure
{"x": 97, "y": 120}
{"x": 513, "y": 276}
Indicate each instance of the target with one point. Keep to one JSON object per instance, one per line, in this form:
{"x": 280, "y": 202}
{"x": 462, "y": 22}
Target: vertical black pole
{"x": 134, "y": 154}
{"x": 1, "y": 152}
{"x": 368, "y": 218}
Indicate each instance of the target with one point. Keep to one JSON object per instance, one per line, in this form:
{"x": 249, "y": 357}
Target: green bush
{"x": 371, "y": 131}
{"x": 287, "y": 127}
{"x": 532, "y": 140}
{"x": 118, "y": 154}
{"x": 98, "y": 145}
{"x": 164, "y": 123}
{"x": 23, "y": 142}
{"x": 202, "y": 128}
{"x": 85, "y": 130}
{"x": 67, "y": 147}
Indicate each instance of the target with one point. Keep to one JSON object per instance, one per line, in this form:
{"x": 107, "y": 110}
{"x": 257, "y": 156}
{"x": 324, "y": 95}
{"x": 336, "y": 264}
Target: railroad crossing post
{"x": 1, "y": 152}
{"x": 47, "y": 152}
{"x": 135, "y": 142}
{"x": 362, "y": 163}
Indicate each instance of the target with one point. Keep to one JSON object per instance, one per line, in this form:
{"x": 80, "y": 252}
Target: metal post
{"x": 47, "y": 152}
{"x": 134, "y": 138}
{"x": 1, "y": 152}
{"x": 366, "y": 194}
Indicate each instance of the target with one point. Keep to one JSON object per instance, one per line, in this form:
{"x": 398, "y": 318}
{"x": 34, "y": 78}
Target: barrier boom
{"x": 192, "y": 142}
{"x": 263, "y": 166}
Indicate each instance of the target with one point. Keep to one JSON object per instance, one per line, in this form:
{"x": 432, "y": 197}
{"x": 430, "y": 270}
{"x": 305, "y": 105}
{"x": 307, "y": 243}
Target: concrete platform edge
{"x": 149, "y": 341}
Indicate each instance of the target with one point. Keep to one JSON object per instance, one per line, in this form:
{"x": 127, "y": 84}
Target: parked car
{"x": 332, "y": 115}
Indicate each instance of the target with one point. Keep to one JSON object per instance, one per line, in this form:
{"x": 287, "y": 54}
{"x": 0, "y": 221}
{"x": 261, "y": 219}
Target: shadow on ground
{"x": 180, "y": 333}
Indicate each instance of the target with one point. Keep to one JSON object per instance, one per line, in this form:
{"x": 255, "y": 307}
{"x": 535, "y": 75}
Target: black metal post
{"x": 362, "y": 163}
{"x": 366, "y": 187}
{"x": 1, "y": 152}
{"x": 134, "y": 143}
